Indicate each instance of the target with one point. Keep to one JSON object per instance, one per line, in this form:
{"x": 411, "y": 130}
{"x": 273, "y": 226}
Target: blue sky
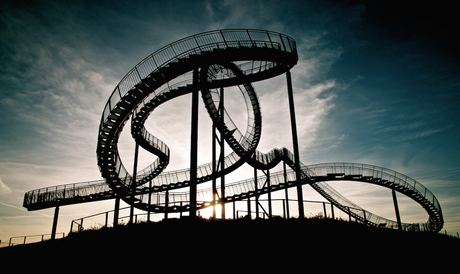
{"x": 375, "y": 83}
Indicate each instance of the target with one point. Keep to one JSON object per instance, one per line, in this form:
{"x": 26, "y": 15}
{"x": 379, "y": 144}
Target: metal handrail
{"x": 397, "y": 180}
{"x": 31, "y": 236}
{"x": 54, "y": 193}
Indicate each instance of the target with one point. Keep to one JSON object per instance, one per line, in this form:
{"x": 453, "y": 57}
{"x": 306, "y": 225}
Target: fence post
{"x": 249, "y": 207}
{"x": 324, "y": 208}
{"x": 284, "y": 208}
{"x": 116, "y": 211}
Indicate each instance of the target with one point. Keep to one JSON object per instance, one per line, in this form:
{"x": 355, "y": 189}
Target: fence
{"x": 19, "y": 240}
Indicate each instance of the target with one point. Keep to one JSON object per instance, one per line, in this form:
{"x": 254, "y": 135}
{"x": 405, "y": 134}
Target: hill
{"x": 185, "y": 244}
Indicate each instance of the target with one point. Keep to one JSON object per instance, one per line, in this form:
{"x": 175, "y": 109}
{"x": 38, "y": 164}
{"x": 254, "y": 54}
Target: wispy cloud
{"x": 426, "y": 133}
{"x": 4, "y": 189}
{"x": 414, "y": 125}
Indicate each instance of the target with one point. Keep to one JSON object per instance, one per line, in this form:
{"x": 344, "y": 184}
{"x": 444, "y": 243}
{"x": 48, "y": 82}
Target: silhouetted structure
{"x": 208, "y": 63}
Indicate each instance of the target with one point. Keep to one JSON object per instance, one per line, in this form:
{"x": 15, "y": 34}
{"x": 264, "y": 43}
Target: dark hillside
{"x": 184, "y": 244}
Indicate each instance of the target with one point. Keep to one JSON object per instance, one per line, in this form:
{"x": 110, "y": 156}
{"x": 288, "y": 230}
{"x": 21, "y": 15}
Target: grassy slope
{"x": 275, "y": 244}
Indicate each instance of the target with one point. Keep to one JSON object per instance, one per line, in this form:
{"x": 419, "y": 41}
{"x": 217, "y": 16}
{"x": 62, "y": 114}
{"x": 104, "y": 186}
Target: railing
{"x": 375, "y": 172}
{"x": 245, "y": 186}
{"x": 54, "y": 193}
{"x": 32, "y": 239}
{"x": 77, "y": 224}
{"x": 380, "y": 176}
{"x": 103, "y": 219}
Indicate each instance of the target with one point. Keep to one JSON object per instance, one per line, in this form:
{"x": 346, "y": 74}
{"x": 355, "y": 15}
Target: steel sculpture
{"x": 208, "y": 63}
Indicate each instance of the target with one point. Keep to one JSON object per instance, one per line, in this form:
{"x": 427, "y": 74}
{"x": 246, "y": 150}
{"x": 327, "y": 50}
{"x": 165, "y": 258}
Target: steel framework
{"x": 207, "y": 64}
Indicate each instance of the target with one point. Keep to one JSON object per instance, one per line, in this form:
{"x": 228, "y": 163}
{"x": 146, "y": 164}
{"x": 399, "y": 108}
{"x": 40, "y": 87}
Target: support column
{"x": 222, "y": 154}
{"x": 166, "y": 204}
{"x": 324, "y": 208}
{"x": 214, "y": 170}
{"x": 249, "y": 208}
{"x": 284, "y": 209}
{"x": 286, "y": 190}
{"x": 150, "y": 202}
{"x": 395, "y": 202}
{"x": 55, "y": 220}
{"x": 116, "y": 211}
{"x": 269, "y": 194}
{"x": 332, "y": 211}
{"x": 194, "y": 147}
{"x": 256, "y": 187}
{"x": 295, "y": 144}
{"x": 133, "y": 183}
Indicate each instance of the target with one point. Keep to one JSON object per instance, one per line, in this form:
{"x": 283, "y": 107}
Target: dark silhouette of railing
{"x": 32, "y": 239}
{"x": 319, "y": 172}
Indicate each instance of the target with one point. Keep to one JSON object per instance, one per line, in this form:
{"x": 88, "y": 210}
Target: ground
{"x": 273, "y": 245}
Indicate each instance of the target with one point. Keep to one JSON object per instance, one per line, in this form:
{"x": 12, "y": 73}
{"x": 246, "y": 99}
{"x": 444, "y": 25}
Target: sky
{"x": 376, "y": 83}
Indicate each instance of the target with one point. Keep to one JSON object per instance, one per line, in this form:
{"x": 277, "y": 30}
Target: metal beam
{"x": 269, "y": 194}
{"x": 55, "y": 220}
{"x": 286, "y": 191}
{"x": 256, "y": 187}
{"x": 133, "y": 183}
{"x": 194, "y": 146}
{"x": 395, "y": 202}
{"x": 222, "y": 154}
{"x": 295, "y": 143}
{"x": 214, "y": 169}
{"x": 116, "y": 211}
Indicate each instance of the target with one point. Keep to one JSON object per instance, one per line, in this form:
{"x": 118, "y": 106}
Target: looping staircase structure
{"x": 208, "y": 63}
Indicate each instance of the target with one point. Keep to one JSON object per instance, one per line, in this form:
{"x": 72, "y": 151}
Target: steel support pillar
{"x": 269, "y": 195}
{"x": 116, "y": 211}
{"x": 222, "y": 154}
{"x": 256, "y": 187}
{"x": 286, "y": 191}
{"x": 150, "y": 202}
{"x": 249, "y": 207}
{"x": 284, "y": 209}
{"x": 295, "y": 143}
{"x": 166, "y": 204}
{"x": 214, "y": 170}
{"x": 55, "y": 221}
{"x": 395, "y": 202}
{"x": 133, "y": 183}
{"x": 194, "y": 146}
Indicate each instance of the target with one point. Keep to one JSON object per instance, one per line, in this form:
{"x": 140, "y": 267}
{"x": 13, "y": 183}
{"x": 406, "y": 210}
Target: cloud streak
{"x": 4, "y": 189}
